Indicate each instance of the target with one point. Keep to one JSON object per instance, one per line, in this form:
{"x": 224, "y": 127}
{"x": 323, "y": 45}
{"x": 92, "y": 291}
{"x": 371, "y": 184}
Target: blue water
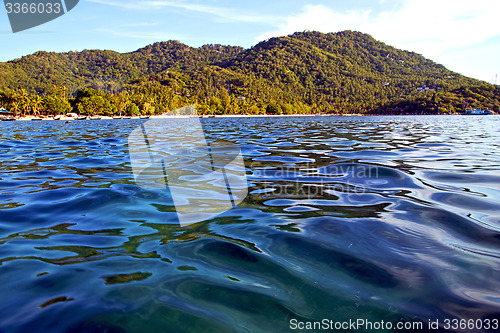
{"x": 376, "y": 218}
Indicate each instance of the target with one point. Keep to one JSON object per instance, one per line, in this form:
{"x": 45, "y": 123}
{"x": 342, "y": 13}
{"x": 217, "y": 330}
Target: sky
{"x": 462, "y": 35}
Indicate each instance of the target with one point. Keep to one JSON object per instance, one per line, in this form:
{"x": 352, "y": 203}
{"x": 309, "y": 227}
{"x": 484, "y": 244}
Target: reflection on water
{"x": 380, "y": 218}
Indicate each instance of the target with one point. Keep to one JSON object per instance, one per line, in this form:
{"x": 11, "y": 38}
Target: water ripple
{"x": 347, "y": 217}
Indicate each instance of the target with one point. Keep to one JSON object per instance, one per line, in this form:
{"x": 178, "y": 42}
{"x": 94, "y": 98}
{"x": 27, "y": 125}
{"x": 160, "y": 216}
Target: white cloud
{"x": 439, "y": 29}
{"x": 319, "y": 18}
{"x": 430, "y": 27}
{"x": 420, "y": 25}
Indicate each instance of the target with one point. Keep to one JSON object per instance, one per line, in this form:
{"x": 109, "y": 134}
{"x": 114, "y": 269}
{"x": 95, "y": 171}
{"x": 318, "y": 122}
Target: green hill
{"x": 107, "y": 70}
{"x": 347, "y": 72}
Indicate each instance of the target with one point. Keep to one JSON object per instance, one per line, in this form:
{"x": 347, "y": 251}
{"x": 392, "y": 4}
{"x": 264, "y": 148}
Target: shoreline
{"x": 165, "y": 116}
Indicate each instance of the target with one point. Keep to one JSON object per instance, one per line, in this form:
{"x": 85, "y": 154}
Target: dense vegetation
{"x": 307, "y": 72}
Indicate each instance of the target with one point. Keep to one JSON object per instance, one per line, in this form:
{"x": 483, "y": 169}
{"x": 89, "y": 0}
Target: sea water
{"x": 376, "y": 220}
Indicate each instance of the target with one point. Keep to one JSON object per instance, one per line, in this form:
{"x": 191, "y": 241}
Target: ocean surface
{"x": 393, "y": 219}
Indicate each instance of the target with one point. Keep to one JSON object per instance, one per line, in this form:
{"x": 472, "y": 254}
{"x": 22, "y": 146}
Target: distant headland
{"x": 303, "y": 73}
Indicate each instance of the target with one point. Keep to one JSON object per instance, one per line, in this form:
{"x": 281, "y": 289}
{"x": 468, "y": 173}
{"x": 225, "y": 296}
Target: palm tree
{"x": 35, "y": 103}
{"x": 63, "y": 91}
{"x": 21, "y": 95}
{"x": 4, "y": 99}
{"x": 14, "y": 103}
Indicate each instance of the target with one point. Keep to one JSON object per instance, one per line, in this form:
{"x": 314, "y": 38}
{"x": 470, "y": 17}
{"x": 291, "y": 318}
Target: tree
{"x": 132, "y": 110}
{"x": 95, "y": 105}
{"x": 95, "y": 102}
{"x": 121, "y": 101}
{"x": 56, "y": 104}
{"x": 273, "y": 108}
{"x": 4, "y": 99}
{"x": 35, "y": 102}
{"x": 148, "y": 108}
{"x": 345, "y": 72}
{"x": 22, "y": 97}
{"x": 14, "y": 103}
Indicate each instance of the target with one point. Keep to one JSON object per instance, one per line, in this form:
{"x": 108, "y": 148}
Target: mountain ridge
{"x": 336, "y": 72}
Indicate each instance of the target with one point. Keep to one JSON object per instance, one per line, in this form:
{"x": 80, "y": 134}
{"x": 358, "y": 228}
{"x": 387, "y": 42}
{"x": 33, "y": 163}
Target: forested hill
{"x": 347, "y": 72}
{"x": 103, "y": 69}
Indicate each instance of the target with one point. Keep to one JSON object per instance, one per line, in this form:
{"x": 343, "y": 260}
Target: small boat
{"x": 36, "y": 119}
{"x": 477, "y": 111}
{"x": 81, "y": 118}
{"x": 6, "y": 115}
{"x": 145, "y": 117}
